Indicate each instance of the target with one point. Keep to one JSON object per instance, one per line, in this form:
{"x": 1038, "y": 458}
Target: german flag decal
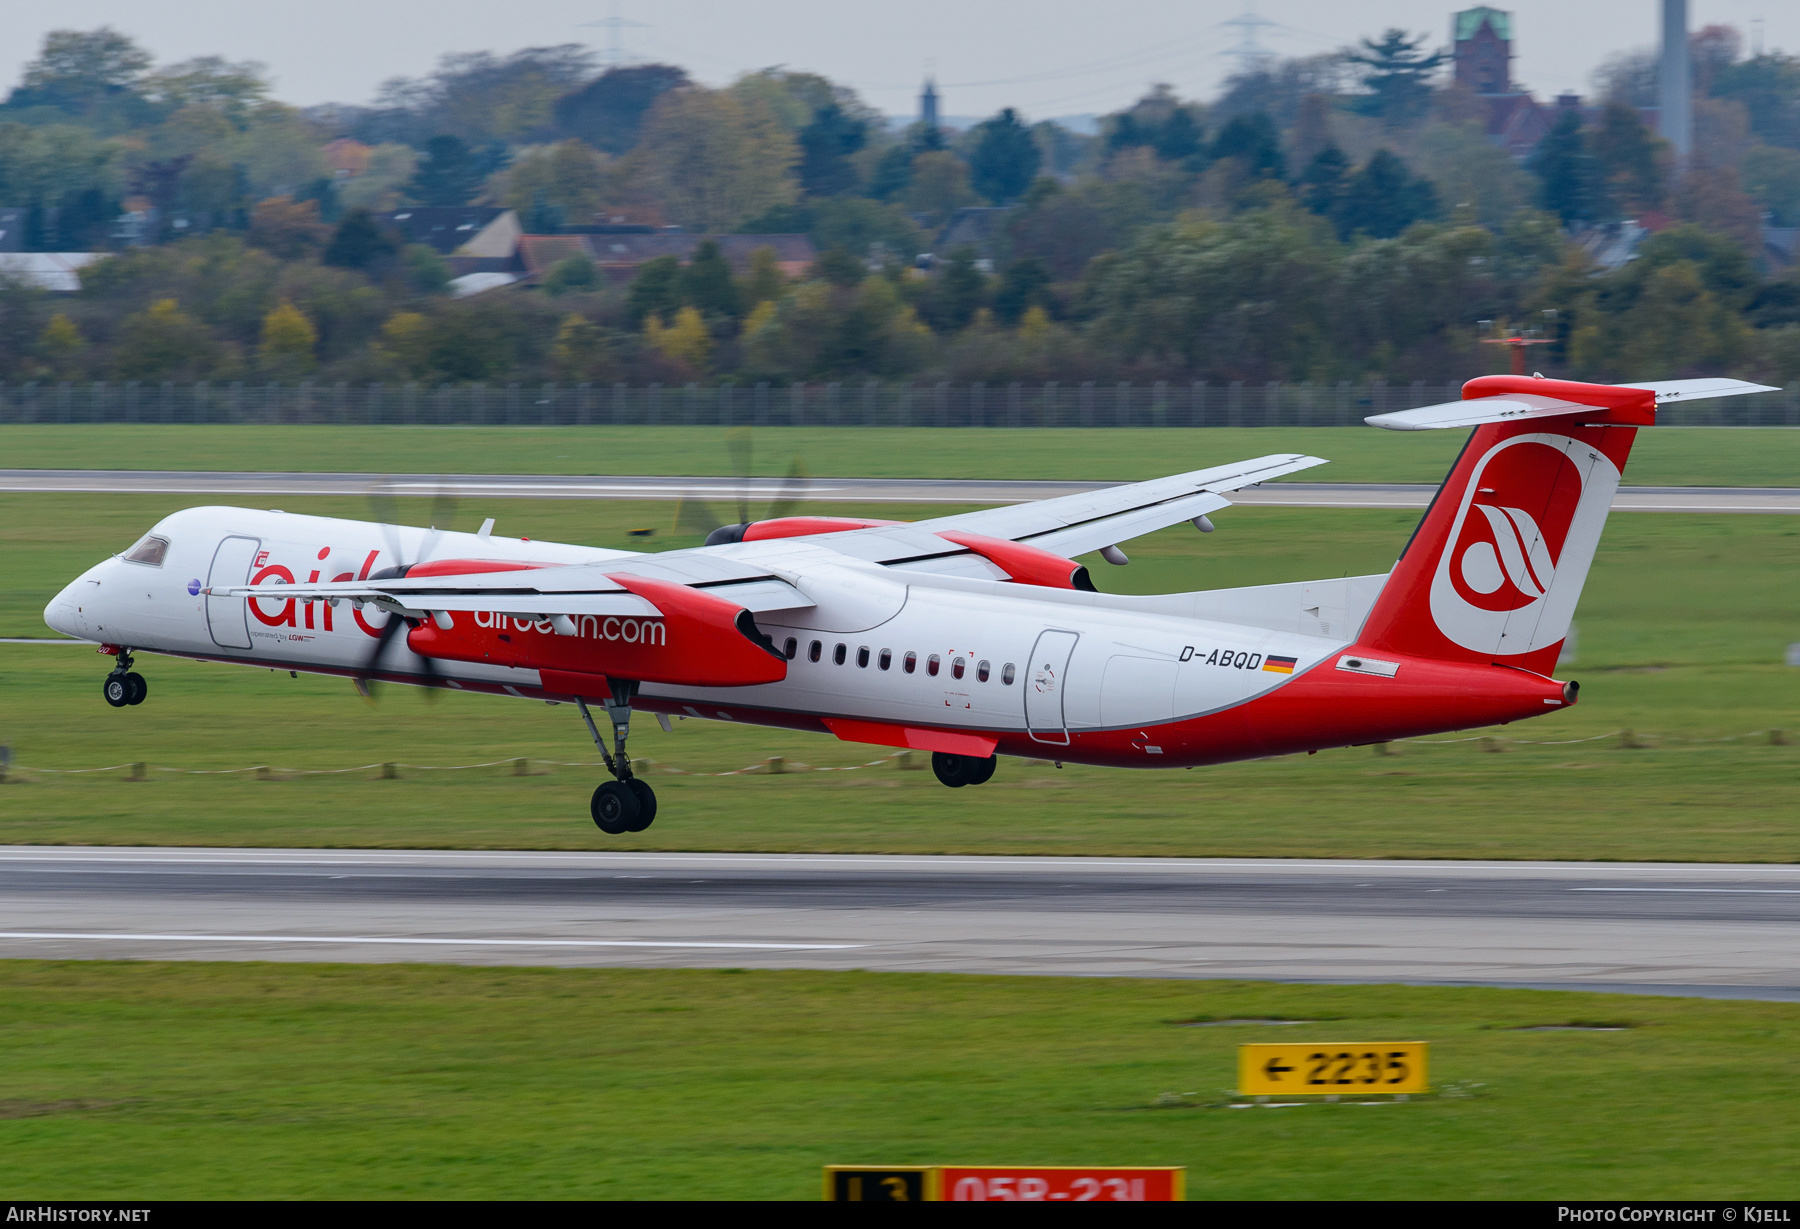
{"x": 1280, "y": 665}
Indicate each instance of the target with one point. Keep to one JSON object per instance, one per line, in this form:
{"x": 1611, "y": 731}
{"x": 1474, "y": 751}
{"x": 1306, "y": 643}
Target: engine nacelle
{"x": 1025, "y": 564}
{"x": 789, "y": 527}
{"x": 456, "y": 567}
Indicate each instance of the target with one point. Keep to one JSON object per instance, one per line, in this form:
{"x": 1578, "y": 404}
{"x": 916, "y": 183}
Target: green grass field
{"x": 1682, "y": 630}
{"x": 260, "y": 1081}
{"x": 1667, "y": 457}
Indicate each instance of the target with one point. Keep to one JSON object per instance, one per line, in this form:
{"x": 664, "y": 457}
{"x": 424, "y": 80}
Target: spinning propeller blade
{"x": 383, "y": 505}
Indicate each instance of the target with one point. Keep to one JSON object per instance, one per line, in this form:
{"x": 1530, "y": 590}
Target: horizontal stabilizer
{"x": 1671, "y": 391}
{"x": 1515, "y": 406}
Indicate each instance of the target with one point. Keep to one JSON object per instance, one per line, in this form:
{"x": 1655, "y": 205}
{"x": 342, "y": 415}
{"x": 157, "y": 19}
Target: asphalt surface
{"x": 830, "y": 490}
{"x": 1722, "y": 931}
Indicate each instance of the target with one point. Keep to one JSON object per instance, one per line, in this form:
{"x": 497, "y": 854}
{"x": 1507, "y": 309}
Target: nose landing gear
{"x": 123, "y": 685}
{"x": 624, "y": 804}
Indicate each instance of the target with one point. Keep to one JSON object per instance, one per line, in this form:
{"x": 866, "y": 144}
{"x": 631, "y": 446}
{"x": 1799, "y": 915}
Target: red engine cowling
{"x": 1026, "y": 564}
{"x": 789, "y": 527}
{"x": 457, "y": 567}
{"x": 695, "y": 640}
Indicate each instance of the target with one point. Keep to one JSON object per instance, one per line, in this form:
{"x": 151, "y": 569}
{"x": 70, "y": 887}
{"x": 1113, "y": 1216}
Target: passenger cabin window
{"x": 885, "y": 660}
{"x": 1006, "y": 674}
{"x": 931, "y": 665}
{"x": 790, "y": 648}
{"x": 910, "y": 662}
{"x": 150, "y": 551}
{"x": 981, "y": 672}
{"x": 838, "y": 654}
{"x": 862, "y": 658}
{"x": 812, "y": 654}
{"x": 956, "y": 668}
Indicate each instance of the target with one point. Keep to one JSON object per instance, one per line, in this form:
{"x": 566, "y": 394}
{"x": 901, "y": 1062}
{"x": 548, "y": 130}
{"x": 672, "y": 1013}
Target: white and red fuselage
{"x": 971, "y": 636}
{"x": 940, "y": 635}
{"x": 1056, "y": 674}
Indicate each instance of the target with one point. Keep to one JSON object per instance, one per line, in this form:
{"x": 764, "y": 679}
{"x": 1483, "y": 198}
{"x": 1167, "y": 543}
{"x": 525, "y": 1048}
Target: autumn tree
{"x": 1397, "y": 73}
{"x": 608, "y": 112}
{"x": 288, "y": 340}
{"x": 714, "y": 159}
{"x": 569, "y": 176}
{"x": 359, "y": 242}
{"x": 287, "y": 229}
{"x": 826, "y": 145}
{"x": 448, "y": 175}
{"x": 1383, "y": 198}
{"x": 579, "y": 351}
{"x": 60, "y": 346}
{"x": 1253, "y": 141}
{"x": 164, "y": 343}
{"x": 1005, "y": 159}
{"x": 940, "y": 184}
{"x": 655, "y": 291}
{"x": 406, "y": 338}
{"x": 1565, "y": 168}
{"x": 572, "y": 274}
{"x": 78, "y": 69}
{"x": 707, "y": 283}
{"x": 685, "y": 341}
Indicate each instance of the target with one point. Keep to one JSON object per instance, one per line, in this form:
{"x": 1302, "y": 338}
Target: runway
{"x": 231, "y": 485}
{"x": 1721, "y": 931}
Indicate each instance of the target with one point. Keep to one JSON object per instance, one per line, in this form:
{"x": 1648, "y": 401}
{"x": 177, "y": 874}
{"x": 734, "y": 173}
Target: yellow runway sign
{"x": 1332, "y": 1070}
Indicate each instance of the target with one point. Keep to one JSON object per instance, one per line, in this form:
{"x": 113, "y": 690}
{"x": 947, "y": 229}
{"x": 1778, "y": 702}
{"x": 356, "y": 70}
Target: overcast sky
{"x": 1047, "y": 57}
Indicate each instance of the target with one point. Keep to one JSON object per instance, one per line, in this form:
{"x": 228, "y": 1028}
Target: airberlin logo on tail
{"x": 1510, "y": 568}
{"x": 1531, "y": 514}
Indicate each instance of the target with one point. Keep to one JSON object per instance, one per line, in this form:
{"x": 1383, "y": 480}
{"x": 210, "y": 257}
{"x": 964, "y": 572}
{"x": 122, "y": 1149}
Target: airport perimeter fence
{"x": 872, "y": 404}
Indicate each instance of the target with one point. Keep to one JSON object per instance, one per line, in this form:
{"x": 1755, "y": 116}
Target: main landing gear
{"x": 124, "y": 685}
{"x": 624, "y": 804}
{"x": 957, "y": 771}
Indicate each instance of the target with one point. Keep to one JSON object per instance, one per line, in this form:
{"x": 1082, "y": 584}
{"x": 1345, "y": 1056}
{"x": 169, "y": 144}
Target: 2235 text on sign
{"x": 1332, "y": 1069}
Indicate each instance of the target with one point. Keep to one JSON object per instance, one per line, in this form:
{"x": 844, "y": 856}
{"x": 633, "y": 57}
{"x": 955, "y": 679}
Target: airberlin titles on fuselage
{"x": 652, "y": 633}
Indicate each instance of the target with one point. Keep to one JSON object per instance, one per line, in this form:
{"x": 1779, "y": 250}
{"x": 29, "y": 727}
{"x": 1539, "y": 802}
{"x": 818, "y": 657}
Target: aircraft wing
{"x": 1075, "y": 524}
{"x": 542, "y": 592}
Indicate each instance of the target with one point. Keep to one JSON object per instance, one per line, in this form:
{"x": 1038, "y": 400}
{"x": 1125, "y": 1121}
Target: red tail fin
{"x": 1493, "y": 572}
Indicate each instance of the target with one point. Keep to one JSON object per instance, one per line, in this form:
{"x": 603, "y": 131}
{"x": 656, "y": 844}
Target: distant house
{"x": 975, "y": 227}
{"x": 346, "y": 158}
{"x": 482, "y": 231}
{"x": 48, "y": 270}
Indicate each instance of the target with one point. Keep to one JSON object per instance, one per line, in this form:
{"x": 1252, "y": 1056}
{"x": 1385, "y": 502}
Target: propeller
{"x": 697, "y": 517}
{"x": 382, "y": 504}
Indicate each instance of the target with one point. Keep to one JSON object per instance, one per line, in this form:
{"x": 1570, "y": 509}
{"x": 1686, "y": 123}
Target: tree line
{"x": 1327, "y": 218}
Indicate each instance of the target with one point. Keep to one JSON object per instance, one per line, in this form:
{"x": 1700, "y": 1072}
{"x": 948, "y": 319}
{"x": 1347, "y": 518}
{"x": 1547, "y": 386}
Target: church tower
{"x": 928, "y": 104}
{"x": 1483, "y": 39}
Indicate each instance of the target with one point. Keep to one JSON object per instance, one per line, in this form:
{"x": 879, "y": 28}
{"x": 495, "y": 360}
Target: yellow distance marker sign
{"x": 1311, "y": 1070}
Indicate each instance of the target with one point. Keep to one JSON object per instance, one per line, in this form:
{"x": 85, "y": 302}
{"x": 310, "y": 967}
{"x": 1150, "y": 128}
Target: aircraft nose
{"x": 60, "y": 614}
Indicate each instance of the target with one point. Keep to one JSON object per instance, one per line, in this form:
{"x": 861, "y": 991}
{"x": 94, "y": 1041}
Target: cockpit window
{"x": 150, "y": 551}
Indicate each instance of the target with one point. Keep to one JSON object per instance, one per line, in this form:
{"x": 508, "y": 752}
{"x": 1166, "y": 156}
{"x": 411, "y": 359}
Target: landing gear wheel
{"x": 646, "y": 804}
{"x": 117, "y": 691}
{"x": 139, "y": 688}
{"x": 616, "y": 809}
{"x": 957, "y": 771}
